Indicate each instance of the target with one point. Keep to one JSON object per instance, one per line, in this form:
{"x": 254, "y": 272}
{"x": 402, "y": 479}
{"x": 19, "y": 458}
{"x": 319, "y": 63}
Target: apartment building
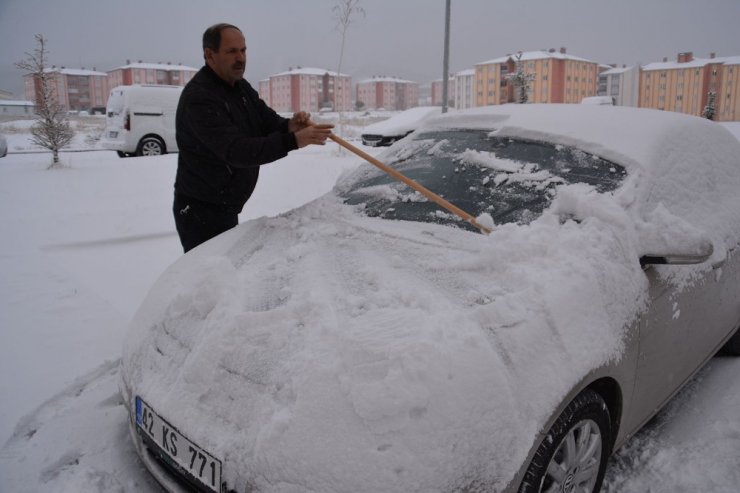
{"x": 307, "y": 89}
{"x": 76, "y": 89}
{"x": 557, "y": 78}
{"x": 437, "y": 89}
{"x": 465, "y": 89}
{"x": 622, "y": 84}
{"x": 684, "y": 85}
{"x": 389, "y": 93}
{"x": 150, "y": 73}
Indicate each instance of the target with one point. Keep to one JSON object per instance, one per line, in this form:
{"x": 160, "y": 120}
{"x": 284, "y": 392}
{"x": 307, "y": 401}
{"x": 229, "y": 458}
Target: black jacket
{"x": 224, "y": 134}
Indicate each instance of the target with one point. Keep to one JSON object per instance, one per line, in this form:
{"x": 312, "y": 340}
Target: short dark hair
{"x": 212, "y": 36}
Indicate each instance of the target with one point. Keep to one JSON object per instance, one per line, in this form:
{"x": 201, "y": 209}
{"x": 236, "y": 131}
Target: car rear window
{"x": 512, "y": 180}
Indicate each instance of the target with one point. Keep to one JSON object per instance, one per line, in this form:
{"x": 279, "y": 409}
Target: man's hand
{"x": 300, "y": 120}
{"x": 313, "y": 133}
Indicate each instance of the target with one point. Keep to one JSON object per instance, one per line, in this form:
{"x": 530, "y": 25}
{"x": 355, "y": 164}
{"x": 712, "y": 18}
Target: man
{"x": 225, "y": 132}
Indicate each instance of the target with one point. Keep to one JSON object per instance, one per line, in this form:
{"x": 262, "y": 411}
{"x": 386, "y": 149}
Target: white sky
{"x": 401, "y": 38}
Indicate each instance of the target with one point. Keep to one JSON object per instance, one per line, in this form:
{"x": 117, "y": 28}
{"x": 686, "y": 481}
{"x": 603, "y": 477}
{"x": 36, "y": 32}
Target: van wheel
{"x": 150, "y": 146}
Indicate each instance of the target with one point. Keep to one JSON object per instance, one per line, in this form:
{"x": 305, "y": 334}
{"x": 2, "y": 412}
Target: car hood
{"x": 326, "y": 351}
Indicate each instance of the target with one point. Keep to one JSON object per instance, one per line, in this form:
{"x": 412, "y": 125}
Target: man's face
{"x": 231, "y": 58}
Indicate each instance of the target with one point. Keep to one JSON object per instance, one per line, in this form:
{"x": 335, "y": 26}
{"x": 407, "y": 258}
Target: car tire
{"x": 123, "y": 154}
{"x": 573, "y": 454}
{"x": 732, "y": 347}
{"x": 150, "y": 146}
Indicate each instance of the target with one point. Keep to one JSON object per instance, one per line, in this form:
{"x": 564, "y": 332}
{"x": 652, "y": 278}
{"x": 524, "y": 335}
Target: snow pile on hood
{"x": 354, "y": 354}
{"x": 325, "y": 351}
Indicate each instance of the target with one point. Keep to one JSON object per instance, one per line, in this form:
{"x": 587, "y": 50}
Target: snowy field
{"x": 82, "y": 245}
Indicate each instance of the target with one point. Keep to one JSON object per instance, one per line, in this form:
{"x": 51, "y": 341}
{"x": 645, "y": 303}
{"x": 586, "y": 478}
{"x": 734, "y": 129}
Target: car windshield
{"x": 512, "y": 180}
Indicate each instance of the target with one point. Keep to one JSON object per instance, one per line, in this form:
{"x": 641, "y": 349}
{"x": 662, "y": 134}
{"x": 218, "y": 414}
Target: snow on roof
{"x": 10, "y": 102}
{"x": 695, "y": 63}
{"x": 620, "y": 134}
{"x": 157, "y": 66}
{"x": 464, "y": 73}
{"x": 535, "y": 55}
{"x": 75, "y": 71}
{"x": 616, "y": 70}
{"x": 386, "y": 79}
{"x": 310, "y": 71}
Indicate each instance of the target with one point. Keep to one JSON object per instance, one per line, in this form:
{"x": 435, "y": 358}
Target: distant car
{"x": 3, "y": 146}
{"x": 140, "y": 120}
{"x": 599, "y": 100}
{"x": 395, "y": 128}
{"x": 365, "y": 343}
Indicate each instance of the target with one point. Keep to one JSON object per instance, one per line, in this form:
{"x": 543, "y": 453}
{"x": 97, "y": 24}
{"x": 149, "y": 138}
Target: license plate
{"x": 112, "y": 135}
{"x": 178, "y": 450}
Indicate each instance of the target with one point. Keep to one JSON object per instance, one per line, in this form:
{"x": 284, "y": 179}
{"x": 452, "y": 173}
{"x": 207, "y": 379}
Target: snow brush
{"x": 411, "y": 183}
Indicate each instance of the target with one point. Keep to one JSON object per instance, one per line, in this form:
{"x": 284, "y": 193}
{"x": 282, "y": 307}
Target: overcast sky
{"x": 401, "y": 38}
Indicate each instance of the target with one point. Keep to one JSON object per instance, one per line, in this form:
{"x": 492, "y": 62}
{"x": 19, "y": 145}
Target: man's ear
{"x": 208, "y": 54}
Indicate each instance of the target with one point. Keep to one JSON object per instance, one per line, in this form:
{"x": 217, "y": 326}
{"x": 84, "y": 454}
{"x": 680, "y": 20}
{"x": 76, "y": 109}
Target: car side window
{"x": 513, "y": 180}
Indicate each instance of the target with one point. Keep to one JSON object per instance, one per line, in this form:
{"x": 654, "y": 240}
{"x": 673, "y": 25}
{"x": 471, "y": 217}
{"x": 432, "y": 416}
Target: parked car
{"x": 140, "y": 120}
{"x": 3, "y": 146}
{"x": 386, "y": 132}
{"x": 599, "y": 100}
{"x": 369, "y": 341}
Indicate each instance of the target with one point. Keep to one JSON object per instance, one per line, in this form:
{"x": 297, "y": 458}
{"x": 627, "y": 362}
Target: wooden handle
{"x": 419, "y": 188}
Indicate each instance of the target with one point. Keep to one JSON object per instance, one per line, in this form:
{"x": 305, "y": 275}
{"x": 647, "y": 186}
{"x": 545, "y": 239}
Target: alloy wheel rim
{"x": 574, "y": 467}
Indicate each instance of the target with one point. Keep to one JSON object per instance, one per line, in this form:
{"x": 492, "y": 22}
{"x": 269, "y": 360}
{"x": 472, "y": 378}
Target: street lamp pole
{"x": 446, "y": 62}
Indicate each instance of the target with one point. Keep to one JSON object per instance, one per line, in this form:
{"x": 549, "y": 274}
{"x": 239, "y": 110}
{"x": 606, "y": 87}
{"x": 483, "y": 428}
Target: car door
{"x": 681, "y": 330}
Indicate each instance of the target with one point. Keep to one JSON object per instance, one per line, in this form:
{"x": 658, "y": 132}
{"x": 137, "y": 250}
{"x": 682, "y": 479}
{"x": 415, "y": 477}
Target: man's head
{"x": 225, "y": 51}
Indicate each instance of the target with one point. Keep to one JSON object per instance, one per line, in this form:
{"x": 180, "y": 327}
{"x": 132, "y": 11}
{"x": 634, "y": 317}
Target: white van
{"x": 140, "y": 120}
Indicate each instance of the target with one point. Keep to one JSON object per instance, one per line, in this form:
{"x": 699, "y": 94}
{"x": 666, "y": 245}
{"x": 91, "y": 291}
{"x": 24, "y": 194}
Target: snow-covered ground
{"x": 81, "y": 247}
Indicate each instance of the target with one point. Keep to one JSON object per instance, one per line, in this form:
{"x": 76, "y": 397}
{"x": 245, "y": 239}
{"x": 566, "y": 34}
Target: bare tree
{"x": 51, "y": 130}
{"x": 344, "y": 12}
{"x": 521, "y": 80}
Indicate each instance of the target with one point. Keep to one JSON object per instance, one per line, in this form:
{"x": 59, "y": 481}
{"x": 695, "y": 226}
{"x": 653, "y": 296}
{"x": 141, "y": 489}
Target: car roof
{"x": 628, "y": 136}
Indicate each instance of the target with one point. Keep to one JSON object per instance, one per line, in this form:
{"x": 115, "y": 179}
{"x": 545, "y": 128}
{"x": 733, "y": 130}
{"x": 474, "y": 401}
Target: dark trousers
{"x": 198, "y": 222}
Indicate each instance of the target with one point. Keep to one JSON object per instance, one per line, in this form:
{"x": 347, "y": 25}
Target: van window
{"x": 115, "y": 103}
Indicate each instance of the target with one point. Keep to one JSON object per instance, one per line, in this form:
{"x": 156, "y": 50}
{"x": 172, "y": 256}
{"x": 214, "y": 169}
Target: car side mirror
{"x": 678, "y": 258}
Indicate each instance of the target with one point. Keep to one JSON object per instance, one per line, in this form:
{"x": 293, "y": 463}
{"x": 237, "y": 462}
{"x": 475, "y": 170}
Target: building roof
{"x": 616, "y": 70}
{"x": 10, "y": 102}
{"x": 75, "y": 71}
{"x": 695, "y": 63}
{"x": 310, "y": 71}
{"x": 463, "y": 73}
{"x": 384, "y": 78}
{"x": 535, "y": 55}
{"x": 156, "y": 66}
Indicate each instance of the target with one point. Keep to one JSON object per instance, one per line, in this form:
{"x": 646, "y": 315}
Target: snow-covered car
{"x": 3, "y": 146}
{"x": 386, "y": 132}
{"x": 364, "y": 342}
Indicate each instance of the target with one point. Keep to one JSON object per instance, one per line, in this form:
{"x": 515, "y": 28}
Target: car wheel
{"x": 572, "y": 457}
{"x": 150, "y": 146}
{"x": 732, "y": 347}
{"x": 123, "y": 154}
